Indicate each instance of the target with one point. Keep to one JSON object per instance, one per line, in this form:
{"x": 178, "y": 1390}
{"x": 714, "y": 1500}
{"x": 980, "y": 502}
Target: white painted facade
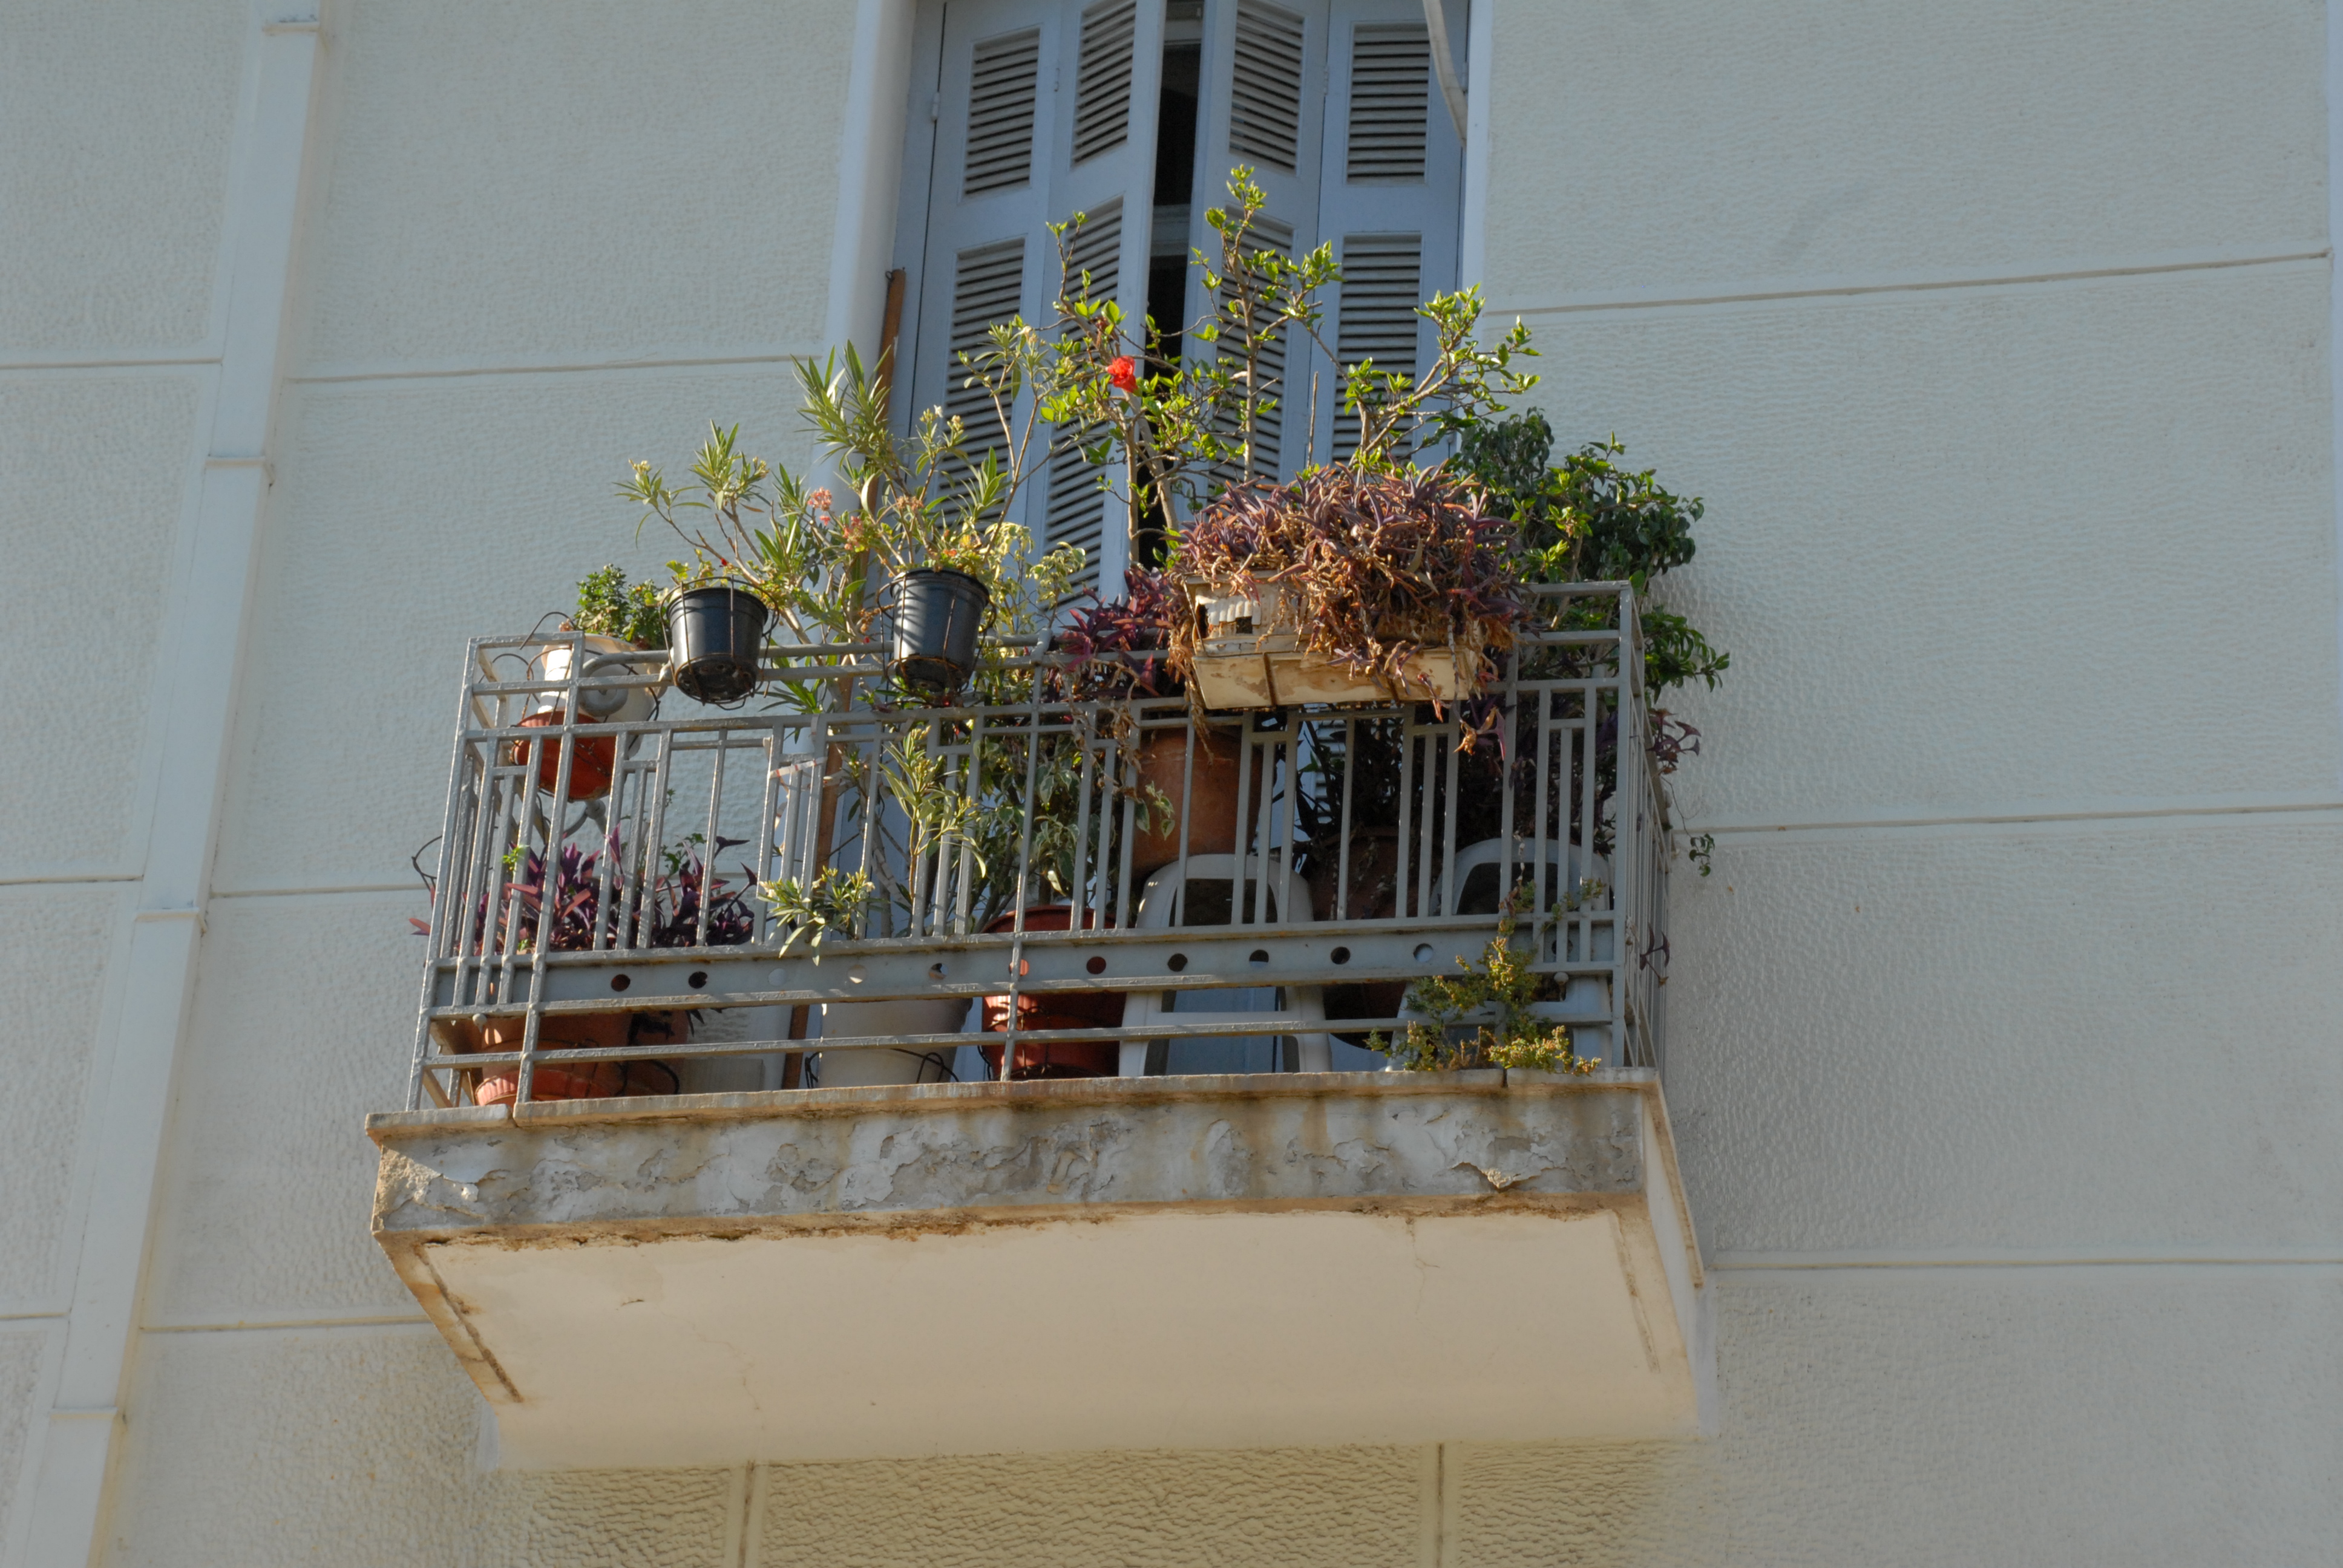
{"x": 2005, "y": 1043}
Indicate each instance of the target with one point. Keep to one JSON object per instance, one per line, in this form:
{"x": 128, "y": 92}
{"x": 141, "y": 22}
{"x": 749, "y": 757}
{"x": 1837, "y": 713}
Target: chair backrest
{"x": 1574, "y": 865}
{"x": 1286, "y": 893}
{"x": 1290, "y": 895}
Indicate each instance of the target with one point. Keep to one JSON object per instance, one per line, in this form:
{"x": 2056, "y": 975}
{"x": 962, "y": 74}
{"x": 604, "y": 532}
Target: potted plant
{"x": 668, "y": 914}
{"x": 1488, "y": 1016}
{"x": 1120, "y": 650}
{"x": 1352, "y": 584}
{"x": 614, "y": 625}
{"x": 716, "y": 619}
{"x": 1055, "y": 1009}
{"x": 929, "y": 814}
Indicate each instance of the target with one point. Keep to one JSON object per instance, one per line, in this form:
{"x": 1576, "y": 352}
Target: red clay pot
{"x": 579, "y": 1079}
{"x": 1089, "y": 1009}
{"x": 589, "y": 774}
{"x": 1211, "y": 817}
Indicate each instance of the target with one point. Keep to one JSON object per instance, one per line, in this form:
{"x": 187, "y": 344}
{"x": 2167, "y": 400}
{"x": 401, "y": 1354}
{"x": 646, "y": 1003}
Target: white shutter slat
{"x": 1103, "y": 91}
{"x": 1382, "y": 283}
{"x": 1261, "y": 106}
{"x": 1388, "y": 201}
{"x": 1265, "y": 115}
{"x": 987, "y": 285}
{"x": 1004, "y": 83}
{"x": 1391, "y": 97}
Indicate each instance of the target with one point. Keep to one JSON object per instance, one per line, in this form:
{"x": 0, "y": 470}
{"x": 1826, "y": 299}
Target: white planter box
{"x": 1249, "y": 656}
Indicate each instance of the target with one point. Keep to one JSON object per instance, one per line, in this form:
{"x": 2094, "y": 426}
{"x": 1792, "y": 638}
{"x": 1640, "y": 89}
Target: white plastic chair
{"x": 1289, "y": 896}
{"x": 1587, "y": 1001}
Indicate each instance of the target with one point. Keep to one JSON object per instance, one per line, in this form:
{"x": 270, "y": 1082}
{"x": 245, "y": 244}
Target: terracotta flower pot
{"x": 1211, "y": 816}
{"x": 597, "y": 755}
{"x": 589, "y": 773}
{"x": 579, "y": 1079}
{"x": 1085, "y": 1010}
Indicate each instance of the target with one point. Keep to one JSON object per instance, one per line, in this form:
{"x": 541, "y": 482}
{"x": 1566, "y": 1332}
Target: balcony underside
{"x": 1107, "y": 1263}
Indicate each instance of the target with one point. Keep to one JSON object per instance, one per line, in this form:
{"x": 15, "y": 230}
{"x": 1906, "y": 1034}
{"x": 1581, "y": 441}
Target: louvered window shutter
{"x": 1393, "y": 179}
{"x": 1260, "y": 106}
{"x": 1042, "y": 108}
{"x": 988, "y": 186}
{"x": 1103, "y": 167}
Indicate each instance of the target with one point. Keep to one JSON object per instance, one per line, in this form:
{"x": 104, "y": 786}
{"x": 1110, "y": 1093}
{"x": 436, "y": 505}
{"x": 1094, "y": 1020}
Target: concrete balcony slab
{"x": 1126, "y": 1262}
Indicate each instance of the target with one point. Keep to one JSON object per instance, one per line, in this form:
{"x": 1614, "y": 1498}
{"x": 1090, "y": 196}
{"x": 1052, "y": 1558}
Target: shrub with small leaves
{"x": 1492, "y": 1002}
{"x": 1591, "y": 518}
{"x": 608, "y": 605}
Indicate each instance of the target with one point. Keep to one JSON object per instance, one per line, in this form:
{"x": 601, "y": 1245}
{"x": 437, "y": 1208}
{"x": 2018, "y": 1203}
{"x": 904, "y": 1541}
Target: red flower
{"x": 1124, "y": 373}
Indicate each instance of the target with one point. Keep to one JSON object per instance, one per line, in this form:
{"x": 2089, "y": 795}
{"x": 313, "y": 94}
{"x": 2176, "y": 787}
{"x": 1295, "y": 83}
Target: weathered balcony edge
{"x": 1084, "y": 1150}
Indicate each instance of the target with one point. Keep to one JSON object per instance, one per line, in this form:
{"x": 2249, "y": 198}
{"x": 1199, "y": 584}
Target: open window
{"x": 1134, "y": 112}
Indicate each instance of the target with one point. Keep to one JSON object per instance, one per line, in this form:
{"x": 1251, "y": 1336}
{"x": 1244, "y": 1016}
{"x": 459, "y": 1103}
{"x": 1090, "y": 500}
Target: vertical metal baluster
{"x": 1246, "y": 754}
{"x": 768, "y": 806}
{"x": 1449, "y": 736}
{"x": 1286, "y": 917}
{"x": 1423, "y": 739}
{"x": 874, "y": 806}
{"x": 1404, "y": 727}
{"x": 548, "y": 900}
{"x": 1078, "y": 891}
{"x": 707, "y": 845}
{"x": 964, "y": 896}
{"x": 1186, "y": 809}
{"x": 1509, "y": 719}
{"x": 1342, "y": 829}
{"x": 642, "y": 872}
{"x": 446, "y": 892}
{"x": 1024, "y": 872}
{"x": 475, "y": 935}
{"x": 1126, "y": 769}
{"x": 502, "y": 919}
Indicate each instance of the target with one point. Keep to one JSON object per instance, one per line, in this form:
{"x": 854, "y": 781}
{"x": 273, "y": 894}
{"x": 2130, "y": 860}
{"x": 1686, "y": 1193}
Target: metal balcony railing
{"x": 1029, "y": 855}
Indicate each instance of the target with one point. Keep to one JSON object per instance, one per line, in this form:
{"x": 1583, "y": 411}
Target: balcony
{"x": 1047, "y": 1104}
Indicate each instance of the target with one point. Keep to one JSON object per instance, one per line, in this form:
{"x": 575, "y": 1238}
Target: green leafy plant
{"x": 1492, "y": 1003}
{"x": 1591, "y": 518}
{"x": 608, "y": 605}
{"x": 829, "y": 904}
{"x": 1181, "y": 430}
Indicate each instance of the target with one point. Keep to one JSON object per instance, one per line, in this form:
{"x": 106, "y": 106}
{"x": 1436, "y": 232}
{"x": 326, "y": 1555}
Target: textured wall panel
{"x": 116, "y": 118}
{"x": 517, "y": 186}
{"x": 2127, "y": 1418}
{"x": 2124, "y": 1039}
{"x": 264, "y": 1204}
{"x": 91, "y": 473}
{"x": 356, "y": 1448}
{"x": 1338, "y": 1508}
{"x": 23, "y": 1349}
{"x": 54, "y": 941}
{"x": 1684, "y": 146}
{"x": 1966, "y": 547}
{"x": 406, "y": 518}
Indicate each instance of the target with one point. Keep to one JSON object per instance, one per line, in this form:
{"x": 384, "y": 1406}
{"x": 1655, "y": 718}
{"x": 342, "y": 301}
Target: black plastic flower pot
{"x": 935, "y": 618}
{"x": 714, "y": 634}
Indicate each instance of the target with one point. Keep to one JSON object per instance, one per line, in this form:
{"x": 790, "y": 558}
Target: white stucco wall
{"x": 2004, "y": 1038}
